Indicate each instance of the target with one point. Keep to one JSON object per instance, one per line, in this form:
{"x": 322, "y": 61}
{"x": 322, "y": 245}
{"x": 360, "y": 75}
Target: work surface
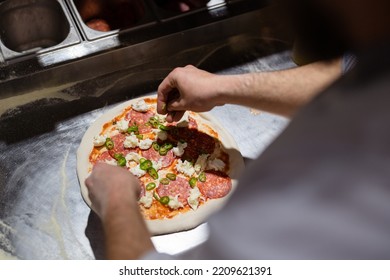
{"x": 42, "y": 214}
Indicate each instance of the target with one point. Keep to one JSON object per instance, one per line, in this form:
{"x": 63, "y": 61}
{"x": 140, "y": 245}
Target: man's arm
{"x": 113, "y": 192}
{"x": 281, "y": 92}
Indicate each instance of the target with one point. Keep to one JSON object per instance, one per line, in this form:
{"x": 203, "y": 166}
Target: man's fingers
{"x": 162, "y": 95}
{"x": 162, "y": 101}
{"x": 174, "y": 116}
{"x": 176, "y": 105}
{"x": 178, "y": 115}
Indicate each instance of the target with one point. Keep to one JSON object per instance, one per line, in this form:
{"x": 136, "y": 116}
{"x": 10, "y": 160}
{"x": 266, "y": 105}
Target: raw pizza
{"x": 186, "y": 170}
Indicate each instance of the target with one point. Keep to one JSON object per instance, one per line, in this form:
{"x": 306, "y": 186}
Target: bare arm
{"x": 280, "y": 92}
{"x": 113, "y": 192}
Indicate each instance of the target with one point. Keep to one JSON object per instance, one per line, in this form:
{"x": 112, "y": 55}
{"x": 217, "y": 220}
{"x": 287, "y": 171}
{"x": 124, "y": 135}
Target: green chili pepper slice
{"x": 133, "y": 128}
{"x": 163, "y": 127}
{"x": 171, "y": 176}
{"x": 163, "y": 151}
{"x": 109, "y": 144}
{"x": 150, "y": 186}
{"x": 121, "y": 161}
{"x": 164, "y": 181}
{"x": 118, "y": 156}
{"x": 154, "y": 122}
{"x": 141, "y": 160}
{"x": 156, "y": 146}
{"x": 167, "y": 146}
{"x": 202, "y": 177}
{"x": 164, "y": 200}
{"x": 156, "y": 197}
{"x": 146, "y": 165}
{"x": 193, "y": 182}
{"x": 139, "y": 136}
{"x": 153, "y": 173}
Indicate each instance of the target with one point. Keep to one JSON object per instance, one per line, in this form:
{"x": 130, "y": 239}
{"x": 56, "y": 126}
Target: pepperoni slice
{"x": 179, "y": 187}
{"x": 139, "y": 117}
{"x": 143, "y": 129}
{"x": 217, "y": 185}
{"x": 151, "y": 154}
{"x": 103, "y": 157}
{"x": 118, "y": 145}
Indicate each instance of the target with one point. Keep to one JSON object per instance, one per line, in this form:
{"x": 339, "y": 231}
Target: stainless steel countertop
{"x": 42, "y": 214}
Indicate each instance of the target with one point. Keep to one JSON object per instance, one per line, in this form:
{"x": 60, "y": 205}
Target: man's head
{"x": 334, "y": 26}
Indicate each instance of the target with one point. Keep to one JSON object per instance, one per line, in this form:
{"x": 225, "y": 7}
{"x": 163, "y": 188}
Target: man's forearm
{"x": 126, "y": 235}
{"x": 280, "y": 92}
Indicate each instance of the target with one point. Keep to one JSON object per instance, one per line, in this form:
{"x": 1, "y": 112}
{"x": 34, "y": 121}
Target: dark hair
{"x": 316, "y": 30}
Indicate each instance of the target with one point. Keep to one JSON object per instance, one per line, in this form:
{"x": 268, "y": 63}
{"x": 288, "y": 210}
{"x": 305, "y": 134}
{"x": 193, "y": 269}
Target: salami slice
{"x": 138, "y": 118}
{"x": 217, "y": 185}
{"x": 143, "y": 128}
{"x": 180, "y": 187}
{"x": 151, "y": 154}
{"x": 119, "y": 148}
{"x": 103, "y": 157}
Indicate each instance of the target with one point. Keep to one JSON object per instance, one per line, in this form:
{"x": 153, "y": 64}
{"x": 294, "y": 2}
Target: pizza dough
{"x": 182, "y": 221}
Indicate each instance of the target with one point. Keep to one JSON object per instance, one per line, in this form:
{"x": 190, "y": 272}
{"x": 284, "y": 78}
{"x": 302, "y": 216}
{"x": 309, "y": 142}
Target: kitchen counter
{"x": 42, "y": 213}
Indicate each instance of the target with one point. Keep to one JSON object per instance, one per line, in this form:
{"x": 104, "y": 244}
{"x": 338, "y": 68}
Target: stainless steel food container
{"x": 145, "y": 13}
{"x": 165, "y": 12}
{"x": 158, "y": 37}
{"x": 35, "y": 26}
{"x": 120, "y": 15}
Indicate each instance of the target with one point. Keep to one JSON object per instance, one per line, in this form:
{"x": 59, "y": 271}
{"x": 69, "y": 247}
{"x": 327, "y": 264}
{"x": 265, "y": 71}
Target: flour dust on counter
{"x": 42, "y": 214}
{"x": 7, "y": 250}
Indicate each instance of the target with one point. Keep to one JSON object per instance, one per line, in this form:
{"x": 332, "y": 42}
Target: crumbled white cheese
{"x": 184, "y": 121}
{"x": 193, "y": 199}
{"x": 174, "y": 203}
{"x": 111, "y": 162}
{"x": 161, "y": 118}
{"x": 131, "y": 141}
{"x": 145, "y": 144}
{"x": 160, "y": 134}
{"x": 147, "y": 200}
{"x": 185, "y": 167}
{"x": 122, "y": 125}
{"x": 140, "y": 106}
{"x": 137, "y": 171}
{"x": 99, "y": 140}
{"x": 216, "y": 164}
{"x": 132, "y": 157}
{"x": 179, "y": 150}
{"x": 201, "y": 163}
{"x": 157, "y": 164}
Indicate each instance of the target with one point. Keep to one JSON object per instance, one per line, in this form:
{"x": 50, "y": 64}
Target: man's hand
{"x": 109, "y": 187}
{"x": 188, "y": 88}
{"x": 114, "y": 192}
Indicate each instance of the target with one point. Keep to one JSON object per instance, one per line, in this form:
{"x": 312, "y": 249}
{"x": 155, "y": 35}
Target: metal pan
{"x": 35, "y": 26}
